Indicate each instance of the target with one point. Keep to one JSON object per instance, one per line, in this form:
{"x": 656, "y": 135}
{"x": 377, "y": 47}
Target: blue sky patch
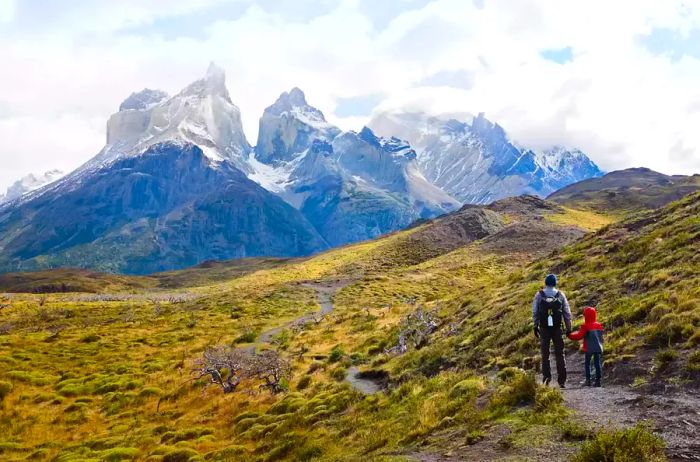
{"x": 459, "y": 78}
{"x": 559, "y": 55}
{"x": 671, "y": 43}
{"x": 357, "y": 105}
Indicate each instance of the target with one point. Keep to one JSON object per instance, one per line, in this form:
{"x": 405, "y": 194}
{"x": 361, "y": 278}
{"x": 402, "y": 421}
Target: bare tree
{"x": 415, "y": 330}
{"x": 227, "y": 366}
{"x": 223, "y": 364}
{"x": 270, "y": 367}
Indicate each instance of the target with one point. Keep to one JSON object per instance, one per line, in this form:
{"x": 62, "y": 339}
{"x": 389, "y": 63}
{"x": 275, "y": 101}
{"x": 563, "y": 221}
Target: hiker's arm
{"x": 579, "y": 334}
{"x": 535, "y": 305}
{"x": 567, "y": 313}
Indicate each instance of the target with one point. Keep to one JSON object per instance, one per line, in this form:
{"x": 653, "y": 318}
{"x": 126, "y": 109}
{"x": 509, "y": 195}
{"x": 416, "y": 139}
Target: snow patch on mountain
{"x": 288, "y": 127}
{"x": 475, "y": 160}
{"x": 29, "y": 183}
{"x": 202, "y": 114}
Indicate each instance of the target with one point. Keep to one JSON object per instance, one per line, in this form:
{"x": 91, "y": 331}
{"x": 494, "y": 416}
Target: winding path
{"x": 325, "y": 293}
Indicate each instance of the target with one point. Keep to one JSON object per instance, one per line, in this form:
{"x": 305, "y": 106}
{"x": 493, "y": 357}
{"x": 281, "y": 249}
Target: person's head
{"x": 589, "y": 314}
{"x": 550, "y": 280}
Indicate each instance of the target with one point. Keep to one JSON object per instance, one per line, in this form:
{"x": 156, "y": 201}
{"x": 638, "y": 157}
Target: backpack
{"x": 550, "y": 306}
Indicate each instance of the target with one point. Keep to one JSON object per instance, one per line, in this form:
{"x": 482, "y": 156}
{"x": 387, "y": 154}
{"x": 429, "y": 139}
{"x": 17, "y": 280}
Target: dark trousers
{"x": 597, "y": 363}
{"x": 553, "y": 335}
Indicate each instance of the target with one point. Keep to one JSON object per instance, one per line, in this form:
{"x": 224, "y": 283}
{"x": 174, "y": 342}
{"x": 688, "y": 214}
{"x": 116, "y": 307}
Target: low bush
{"x": 339, "y": 373}
{"x": 304, "y": 382}
{"x": 117, "y": 454}
{"x": 180, "y": 455}
{"x": 635, "y": 444}
{"x": 519, "y": 388}
{"x": 467, "y": 389}
{"x": 548, "y": 399}
{"x": 5, "y": 389}
{"x": 336, "y": 354}
{"x": 664, "y": 357}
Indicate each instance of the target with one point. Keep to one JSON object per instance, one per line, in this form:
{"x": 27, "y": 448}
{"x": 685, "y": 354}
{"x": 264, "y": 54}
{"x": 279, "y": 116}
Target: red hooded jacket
{"x": 591, "y": 332}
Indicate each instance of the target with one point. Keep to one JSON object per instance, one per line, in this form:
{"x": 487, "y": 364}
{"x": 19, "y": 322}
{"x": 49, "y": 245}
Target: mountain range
{"x": 29, "y": 183}
{"x": 178, "y": 183}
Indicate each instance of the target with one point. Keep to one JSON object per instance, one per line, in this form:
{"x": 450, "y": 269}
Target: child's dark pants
{"x": 597, "y": 359}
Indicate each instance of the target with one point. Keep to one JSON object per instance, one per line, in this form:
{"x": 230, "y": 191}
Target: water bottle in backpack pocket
{"x": 550, "y": 309}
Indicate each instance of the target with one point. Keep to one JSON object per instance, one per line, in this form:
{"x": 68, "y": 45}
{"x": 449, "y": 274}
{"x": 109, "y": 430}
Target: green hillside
{"x": 624, "y": 191}
{"x": 123, "y": 375}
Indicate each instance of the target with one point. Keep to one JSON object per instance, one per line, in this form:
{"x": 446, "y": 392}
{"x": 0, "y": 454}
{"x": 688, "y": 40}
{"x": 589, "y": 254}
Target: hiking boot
{"x": 597, "y": 384}
{"x": 586, "y": 383}
{"x": 562, "y": 385}
{"x": 546, "y": 381}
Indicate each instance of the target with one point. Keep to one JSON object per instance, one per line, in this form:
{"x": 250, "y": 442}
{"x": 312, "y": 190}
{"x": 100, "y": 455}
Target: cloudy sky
{"x": 621, "y": 79}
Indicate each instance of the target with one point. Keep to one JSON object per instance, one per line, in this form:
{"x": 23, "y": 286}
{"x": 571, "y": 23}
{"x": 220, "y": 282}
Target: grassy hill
{"x": 117, "y": 376}
{"x": 626, "y": 191}
{"x": 81, "y": 280}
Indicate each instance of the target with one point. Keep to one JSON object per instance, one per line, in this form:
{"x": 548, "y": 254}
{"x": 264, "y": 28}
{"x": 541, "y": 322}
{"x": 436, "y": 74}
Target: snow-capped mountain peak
{"x": 213, "y": 84}
{"x": 144, "y": 99}
{"x": 477, "y": 162}
{"x": 201, "y": 114}
{"x": 288, "y": 127}
{"x": 29, "y": 183}
{"x": 288, "y": 101}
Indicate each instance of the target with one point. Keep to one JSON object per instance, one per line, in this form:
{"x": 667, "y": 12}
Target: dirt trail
{"x": 325, "y": 292}
{"x": 675, "y": 414}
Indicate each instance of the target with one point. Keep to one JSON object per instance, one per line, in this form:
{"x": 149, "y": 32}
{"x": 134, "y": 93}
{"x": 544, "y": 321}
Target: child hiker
{"x": 591, "y": 332}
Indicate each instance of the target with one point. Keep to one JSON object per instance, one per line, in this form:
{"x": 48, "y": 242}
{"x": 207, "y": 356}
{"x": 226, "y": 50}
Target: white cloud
{"x": 622, "y": 104}
{"x": 7, "y": 10}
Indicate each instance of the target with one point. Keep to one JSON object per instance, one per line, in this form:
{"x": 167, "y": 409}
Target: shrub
{"x": 520, "y": 387}
{"x": 664, "y": 357}
{"x": 150, "y": 391}
{"x": 34, "y": 378}
{"x": 185, "y": 435}
{"x": 548, "y": 399}
{"x": 5, "y": 389}
{"x": 669, "y": 330}
{"x": 304, "y": 382}
{"x": 694, "y": 361}
{"x": 117, "y": 454}
{"x": 467, "y": 389}
{"x": 339, "y": 373}
{"x": 180, "y": 455}
{"x": 635, "y": 444}
{"x": 248, "y": 336}
{"x": 574, "y": 431}
{"x": 229, "y": 453}
{"x": 314, "y": 366}
{"x": 336, "y": 354}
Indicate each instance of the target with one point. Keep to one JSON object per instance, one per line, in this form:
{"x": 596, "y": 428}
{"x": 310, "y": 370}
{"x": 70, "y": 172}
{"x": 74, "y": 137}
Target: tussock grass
{"x": 93, "y": 377}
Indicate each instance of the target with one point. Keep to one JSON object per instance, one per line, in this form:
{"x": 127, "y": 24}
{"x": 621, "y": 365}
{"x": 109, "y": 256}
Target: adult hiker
{"x": 550, "y": 309}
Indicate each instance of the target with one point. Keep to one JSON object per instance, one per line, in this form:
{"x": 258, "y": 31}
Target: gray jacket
{"x": 551, "y": 292}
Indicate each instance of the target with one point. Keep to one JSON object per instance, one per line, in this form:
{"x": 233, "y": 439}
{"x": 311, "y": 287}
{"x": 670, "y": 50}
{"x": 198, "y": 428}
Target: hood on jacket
{"x": 589, "y": 315}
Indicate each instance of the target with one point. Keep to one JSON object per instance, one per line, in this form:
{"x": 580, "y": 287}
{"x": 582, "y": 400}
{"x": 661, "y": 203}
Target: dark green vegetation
{"x": 169, "y": 208}
{"x": 108, "y": 376}
{"x": 626, "y": 191}
{"x": 630, "y": 445}
{"x": 80, "y": 280}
